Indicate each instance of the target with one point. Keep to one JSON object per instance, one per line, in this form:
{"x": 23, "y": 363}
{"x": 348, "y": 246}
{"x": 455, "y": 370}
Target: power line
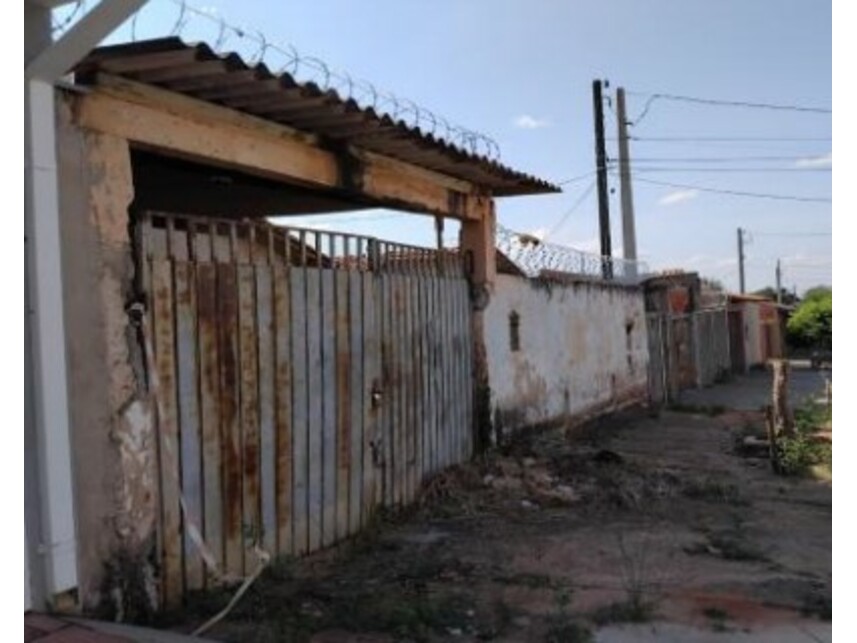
{"x": 721, "y": 159}
{"x": 760, "y": 195}
{"x": 574, "y": 179}
{"x": 570, "y": 211}
{"x": 722, "y": 103}
{"x": 793, "y": 234}
{"x": 733, "y": 169}
{"x": 730, "y": 139}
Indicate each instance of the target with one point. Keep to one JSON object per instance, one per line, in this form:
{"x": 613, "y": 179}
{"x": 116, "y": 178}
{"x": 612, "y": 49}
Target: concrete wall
{"x": 112, "y": 432}
{"x": 583, "y": 350}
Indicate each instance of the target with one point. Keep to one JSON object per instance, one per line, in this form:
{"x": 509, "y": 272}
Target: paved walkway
{"x": 45, "y": 628}
{"x": 50, "y": 629}
{"x": 752, "y": 391}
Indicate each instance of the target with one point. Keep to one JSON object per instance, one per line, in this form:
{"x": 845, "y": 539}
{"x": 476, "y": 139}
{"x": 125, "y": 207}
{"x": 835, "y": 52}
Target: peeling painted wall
{"x": 583, "y": 349}
{"x": 111, "y": 420}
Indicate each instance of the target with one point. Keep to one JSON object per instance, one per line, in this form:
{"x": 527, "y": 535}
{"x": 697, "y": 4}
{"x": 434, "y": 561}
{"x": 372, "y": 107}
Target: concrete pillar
{"x": 113, "y": 444}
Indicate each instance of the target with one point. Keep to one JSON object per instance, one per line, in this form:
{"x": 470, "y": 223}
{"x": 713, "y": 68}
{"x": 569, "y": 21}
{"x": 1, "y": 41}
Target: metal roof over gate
{"x": 226, "y": 79}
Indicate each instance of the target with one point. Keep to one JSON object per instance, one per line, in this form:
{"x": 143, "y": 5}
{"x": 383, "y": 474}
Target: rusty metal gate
{"x": 657, "y": 328}
{"x": 686, "y": 350}
{"x": 711, "y": 338}
{"x": 305, "y": 378}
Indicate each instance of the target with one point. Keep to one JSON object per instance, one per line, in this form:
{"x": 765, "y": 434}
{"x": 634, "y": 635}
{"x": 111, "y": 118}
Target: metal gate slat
{"x": 249, "y": 404}
{"x": 282, "y": 338}
{"x": 300, "y": 411}
{"x": 355, "y": 399}
{"x": 343, "y": 360}
{"x": 315, "y": 464}
{"x": 164, "y": 347}
{"x": 329, "y": 402}
{"x": 188, "y": 401}
{"x": 206, "y": 276}
{"x": 267, "y": 405}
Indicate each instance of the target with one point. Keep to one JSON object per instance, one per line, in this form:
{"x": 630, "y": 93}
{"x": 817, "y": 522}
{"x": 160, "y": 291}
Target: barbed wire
{"x": 534, "y": 257}
{"x": 206, "y": 24}
{"x": 62, "y": 19}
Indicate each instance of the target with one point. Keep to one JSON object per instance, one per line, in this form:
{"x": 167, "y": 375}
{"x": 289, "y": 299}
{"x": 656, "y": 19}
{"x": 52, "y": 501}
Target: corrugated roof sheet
{"x": 226, "y": 79}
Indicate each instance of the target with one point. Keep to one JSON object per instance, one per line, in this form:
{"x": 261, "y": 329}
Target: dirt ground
{"x": 634, "y": 521}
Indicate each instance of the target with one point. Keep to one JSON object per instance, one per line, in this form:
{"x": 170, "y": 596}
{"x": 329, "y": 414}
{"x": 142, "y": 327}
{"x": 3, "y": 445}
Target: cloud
{"x": 678, "y": 196}
{"x": 525, "y": 121}
{"x": 825, "y": 160}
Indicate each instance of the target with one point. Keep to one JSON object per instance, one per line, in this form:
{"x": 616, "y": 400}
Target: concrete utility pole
{"x": 601, "y": 170}
{"x": 779, "y": 283}
{"x": 741, "y": 260}
{"x": 629, "y": 235}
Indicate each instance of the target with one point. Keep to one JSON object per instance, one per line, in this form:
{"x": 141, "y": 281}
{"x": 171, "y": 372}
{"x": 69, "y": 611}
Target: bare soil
{"x": 631, "y": 519}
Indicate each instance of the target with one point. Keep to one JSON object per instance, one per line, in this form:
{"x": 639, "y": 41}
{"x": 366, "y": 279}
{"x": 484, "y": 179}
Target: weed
{"x": 802, "y": 454}
{"x": 798, "y": 454}
{"x": 811, "y": 417}
{"x": 562, "y": 628}
{"x": 637, "y": 579}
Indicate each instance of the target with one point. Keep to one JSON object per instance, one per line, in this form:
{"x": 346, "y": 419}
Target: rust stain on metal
{"x": 230, "y": 429}
{"x": 283, "y": 417}
{"x": 165, "y": 364}
{"x": 249, "y": 399}
{"x": 210, "y": 406}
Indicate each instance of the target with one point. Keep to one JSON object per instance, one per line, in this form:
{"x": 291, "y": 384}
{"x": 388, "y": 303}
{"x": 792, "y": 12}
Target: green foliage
{"x": 819, "y": 292}
{"x": 811, "y": 325}
{"x": 799, "y": 454}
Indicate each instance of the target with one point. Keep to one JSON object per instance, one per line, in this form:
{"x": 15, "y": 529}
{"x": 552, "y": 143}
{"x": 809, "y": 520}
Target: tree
{"x": 819, "y": 292}
{"x": 811, "y": 325}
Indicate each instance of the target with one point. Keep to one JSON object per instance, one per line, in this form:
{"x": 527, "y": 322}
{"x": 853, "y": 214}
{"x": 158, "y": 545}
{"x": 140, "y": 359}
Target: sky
{"x": 521, "y": 72}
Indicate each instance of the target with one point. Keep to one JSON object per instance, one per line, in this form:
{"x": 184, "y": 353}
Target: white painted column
{"x": 49, "y": 375}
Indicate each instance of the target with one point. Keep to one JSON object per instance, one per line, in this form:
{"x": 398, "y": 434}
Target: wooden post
{"x": 772, "y": 438}
{"x": 478, "y": 242}
{"x": 782, "y": 418}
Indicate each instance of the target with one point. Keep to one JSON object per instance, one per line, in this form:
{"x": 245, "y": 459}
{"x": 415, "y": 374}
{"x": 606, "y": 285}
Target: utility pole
{"x": 601, "y": 170}
{"x": 779, "y": 283}
{"x": 741, "y": 260}
{"x": 629, "y": 235}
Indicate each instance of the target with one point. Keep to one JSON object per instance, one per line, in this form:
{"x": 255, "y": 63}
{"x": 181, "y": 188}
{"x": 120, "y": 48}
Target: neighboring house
{"x": 757, "y": 330}
{"x": 688, "y": 334}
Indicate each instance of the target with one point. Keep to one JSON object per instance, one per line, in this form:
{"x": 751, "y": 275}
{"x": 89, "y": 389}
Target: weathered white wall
{"x": 583, "y": 349}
